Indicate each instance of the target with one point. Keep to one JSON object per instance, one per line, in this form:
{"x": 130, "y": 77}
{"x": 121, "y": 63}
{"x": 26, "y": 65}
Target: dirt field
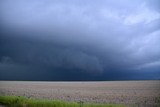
{"x": 141, "y": 93}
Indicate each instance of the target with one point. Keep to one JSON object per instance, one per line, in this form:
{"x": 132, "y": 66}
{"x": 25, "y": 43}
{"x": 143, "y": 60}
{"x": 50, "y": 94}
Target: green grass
{"x": 18, "y": 101}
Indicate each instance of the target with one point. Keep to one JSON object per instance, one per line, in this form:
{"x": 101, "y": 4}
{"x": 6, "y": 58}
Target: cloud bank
{"x": 83, "y": 40}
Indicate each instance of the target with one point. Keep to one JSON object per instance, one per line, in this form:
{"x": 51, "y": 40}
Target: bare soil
{"x": 141, "y": 93}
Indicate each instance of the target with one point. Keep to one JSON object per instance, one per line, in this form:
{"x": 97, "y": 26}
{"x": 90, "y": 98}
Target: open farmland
{"x": 141, "y": 93}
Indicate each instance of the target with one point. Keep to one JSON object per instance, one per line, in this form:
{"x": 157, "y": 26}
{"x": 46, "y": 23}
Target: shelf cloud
{"x": 79, "y": 40}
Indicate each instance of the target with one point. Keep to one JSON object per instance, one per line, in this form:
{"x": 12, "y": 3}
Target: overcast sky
{"x": 79, "y": 40}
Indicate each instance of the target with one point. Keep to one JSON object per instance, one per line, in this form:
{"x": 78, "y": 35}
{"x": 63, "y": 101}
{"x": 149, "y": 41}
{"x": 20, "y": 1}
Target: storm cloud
{"x": 79, "y": 40}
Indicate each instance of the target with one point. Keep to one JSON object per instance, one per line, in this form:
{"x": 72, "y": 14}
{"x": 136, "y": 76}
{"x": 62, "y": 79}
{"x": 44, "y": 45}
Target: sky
{"x": 67, "y": 40}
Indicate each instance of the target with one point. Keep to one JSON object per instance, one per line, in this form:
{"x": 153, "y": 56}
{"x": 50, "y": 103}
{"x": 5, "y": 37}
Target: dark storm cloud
{"x": 80, "y": 38}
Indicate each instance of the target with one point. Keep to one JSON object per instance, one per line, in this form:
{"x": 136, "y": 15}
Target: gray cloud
{"x": 95, "y": 37}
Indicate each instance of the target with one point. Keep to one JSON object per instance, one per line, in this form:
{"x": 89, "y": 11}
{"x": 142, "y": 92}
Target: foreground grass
{"x": 16, "y": 101}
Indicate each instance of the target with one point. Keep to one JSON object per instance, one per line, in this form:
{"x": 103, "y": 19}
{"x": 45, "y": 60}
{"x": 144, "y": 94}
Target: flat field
{"x": 141, "y": 93}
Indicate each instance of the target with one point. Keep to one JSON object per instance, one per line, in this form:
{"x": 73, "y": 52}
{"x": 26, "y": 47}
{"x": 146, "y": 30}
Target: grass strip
{"x": 19, "y": 101}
